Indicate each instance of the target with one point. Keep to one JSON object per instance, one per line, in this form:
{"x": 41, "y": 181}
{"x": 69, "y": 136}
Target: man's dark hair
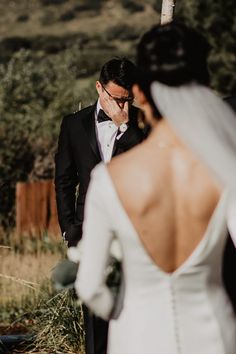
{"x": 118, "y": 70}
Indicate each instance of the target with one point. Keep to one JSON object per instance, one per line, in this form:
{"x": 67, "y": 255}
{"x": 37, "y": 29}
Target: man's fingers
{"x": 126, "y": 107}
{"x": 113, "y": 107}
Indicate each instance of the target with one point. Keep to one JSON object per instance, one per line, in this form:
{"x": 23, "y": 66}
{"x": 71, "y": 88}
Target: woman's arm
{"x": 97, "y": 236}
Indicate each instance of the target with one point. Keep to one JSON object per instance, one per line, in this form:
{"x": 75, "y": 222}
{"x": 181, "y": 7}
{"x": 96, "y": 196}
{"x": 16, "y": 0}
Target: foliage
{"x": 216, "y": 19}
{"x": 35, "y": 92}
{"x": 132, "y": 6}
{"x": 122, "y": 32}
{"x": 23, "y": 18}
{"x": 52, "y": 2}
{"x": 67, "y": 16}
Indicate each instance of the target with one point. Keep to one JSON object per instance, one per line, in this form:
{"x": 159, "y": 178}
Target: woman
{"x": 168, "y": 212}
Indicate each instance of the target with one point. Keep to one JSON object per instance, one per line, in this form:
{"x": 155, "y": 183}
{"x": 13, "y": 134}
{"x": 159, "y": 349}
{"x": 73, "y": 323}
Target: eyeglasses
{"x": 120, "y": 100}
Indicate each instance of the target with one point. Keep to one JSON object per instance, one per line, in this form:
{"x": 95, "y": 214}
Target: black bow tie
{"x": 102, "y": 117}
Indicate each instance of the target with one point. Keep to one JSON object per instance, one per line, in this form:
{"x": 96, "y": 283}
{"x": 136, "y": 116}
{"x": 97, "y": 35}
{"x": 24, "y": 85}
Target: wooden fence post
{"x": 36, "y": 208}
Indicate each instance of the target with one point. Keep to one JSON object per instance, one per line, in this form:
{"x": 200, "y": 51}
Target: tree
{"x": 167, "y": 11}
{"x": 216, "y": 19}
{"x": 35, "y": 93}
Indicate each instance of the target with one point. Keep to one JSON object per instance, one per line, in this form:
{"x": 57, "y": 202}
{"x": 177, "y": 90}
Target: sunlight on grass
{"x": 30, "y": 304}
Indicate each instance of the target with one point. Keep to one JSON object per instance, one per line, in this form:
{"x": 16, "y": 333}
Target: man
{"x": 94, "y": 134}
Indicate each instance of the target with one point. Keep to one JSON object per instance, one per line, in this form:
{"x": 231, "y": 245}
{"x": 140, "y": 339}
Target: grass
{"x": 30, "y": 304}
{"x": 22, "y": 274}
{"x": 59, "y": 325}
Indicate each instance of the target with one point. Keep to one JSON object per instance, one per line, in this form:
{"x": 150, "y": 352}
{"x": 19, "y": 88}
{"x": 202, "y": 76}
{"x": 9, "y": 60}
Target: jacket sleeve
{"x": 97, "y": 237}
{"x": 66, "y": 179}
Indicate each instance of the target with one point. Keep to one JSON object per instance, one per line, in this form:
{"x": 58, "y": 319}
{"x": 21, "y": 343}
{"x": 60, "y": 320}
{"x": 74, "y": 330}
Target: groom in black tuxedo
{"x": 94, "y": 134}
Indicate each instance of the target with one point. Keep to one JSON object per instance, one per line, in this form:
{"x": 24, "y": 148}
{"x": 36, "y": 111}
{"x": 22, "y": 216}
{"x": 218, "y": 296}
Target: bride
{"x": 168, "y": 202}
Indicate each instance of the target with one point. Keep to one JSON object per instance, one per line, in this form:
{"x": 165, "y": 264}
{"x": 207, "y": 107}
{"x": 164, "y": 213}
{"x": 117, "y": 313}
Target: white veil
{"x": 205, "y": 123}
{"x": 208, "y": 126}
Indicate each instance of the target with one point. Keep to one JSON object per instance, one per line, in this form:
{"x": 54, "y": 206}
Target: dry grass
{"x": 29, "y": 302}
{"x": 59, "y": 326}
{"x": 22, "y": 274}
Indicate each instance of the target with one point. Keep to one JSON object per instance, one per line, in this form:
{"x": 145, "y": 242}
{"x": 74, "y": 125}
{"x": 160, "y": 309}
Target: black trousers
{"x": 229, "y": 267}
{"x": 96, "y": 331}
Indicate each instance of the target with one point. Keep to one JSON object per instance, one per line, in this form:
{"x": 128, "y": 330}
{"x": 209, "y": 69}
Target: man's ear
{"x": 139, "y": 95}
{"x": 98, "y": 87}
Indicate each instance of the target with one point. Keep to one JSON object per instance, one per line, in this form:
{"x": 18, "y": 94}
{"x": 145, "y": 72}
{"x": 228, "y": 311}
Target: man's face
{"x": 113, "y": 92}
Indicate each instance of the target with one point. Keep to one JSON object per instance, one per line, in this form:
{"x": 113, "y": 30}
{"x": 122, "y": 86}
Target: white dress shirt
{"x": 106, "y": 133}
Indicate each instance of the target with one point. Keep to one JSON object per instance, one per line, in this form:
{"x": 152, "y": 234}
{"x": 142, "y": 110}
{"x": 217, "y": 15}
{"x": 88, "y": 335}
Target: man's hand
{"x": 119, "y": 113}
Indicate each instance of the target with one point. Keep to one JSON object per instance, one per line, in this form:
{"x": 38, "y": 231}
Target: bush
{"x": 23, "y": 18}
{"x": 82, "y": 7}
{"x": 35, "y": 93}
{"x": 132, "y": 6}
{"x": 52, "y": 2}
{"x": 8, "y": 46}
{"x": 122, "y": 32}
{"x": 41, "y": 43}
{"x": 217, "y": 21}
{"x": 157, "y": 6}
{"x": 48, "y": 18}
{"x": 67, "y": 16}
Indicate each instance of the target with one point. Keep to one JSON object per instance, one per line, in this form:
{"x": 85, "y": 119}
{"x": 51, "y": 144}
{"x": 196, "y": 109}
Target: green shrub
{"x": 23, "y": 18}
{"x": 217, "y": 21}
{"x": 35, "y": 93}
{"x": 67, "y": 16}
{"x": 52, "y": 2}
{"x": 132, "y": 6}
{"x": 48, "y": 18}
{"x": 122, "y": 32}
{"x": 48, "y": 44}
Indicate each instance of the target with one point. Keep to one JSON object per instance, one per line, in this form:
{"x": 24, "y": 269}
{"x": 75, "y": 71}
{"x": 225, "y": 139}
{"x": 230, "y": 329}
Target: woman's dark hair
{"x": 118, "y": 70}
{"x": 172, "y": 54}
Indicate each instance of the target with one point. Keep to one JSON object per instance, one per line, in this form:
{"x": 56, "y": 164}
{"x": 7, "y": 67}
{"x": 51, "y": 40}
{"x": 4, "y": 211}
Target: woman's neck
{"x": 164, "y": 135}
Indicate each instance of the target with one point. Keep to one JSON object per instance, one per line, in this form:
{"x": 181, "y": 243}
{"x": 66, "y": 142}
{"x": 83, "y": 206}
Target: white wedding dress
{"x": 185, "y": 312}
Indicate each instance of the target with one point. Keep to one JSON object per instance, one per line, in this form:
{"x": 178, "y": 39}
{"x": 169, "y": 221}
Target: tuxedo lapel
{"x": 89, "y": 125}
{"x": 129, "y": 139}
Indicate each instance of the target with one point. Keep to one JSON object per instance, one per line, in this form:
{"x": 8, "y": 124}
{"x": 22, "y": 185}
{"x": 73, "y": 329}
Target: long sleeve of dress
{"x": 96, "y": 241}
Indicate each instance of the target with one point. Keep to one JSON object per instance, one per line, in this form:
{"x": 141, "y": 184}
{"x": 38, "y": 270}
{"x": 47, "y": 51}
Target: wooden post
{"x": 36, "y": 211}
{"x": 167, "y": 11}
{"x": 20, "y": 208}
{"x": 53, "y": 226}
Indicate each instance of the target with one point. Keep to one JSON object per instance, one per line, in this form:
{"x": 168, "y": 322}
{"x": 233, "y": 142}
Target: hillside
{"x": 66, "y": 21}
{"x": 34, "y": 17}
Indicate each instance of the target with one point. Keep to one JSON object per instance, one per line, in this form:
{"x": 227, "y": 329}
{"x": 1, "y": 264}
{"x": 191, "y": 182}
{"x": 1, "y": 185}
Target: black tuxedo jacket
{"x": 76, "y": 156}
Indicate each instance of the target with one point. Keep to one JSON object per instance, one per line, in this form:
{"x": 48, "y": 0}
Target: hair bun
{"x": 174, "y": 54}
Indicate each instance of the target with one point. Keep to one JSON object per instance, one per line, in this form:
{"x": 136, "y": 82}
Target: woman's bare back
{"x": 168, "y": 195}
